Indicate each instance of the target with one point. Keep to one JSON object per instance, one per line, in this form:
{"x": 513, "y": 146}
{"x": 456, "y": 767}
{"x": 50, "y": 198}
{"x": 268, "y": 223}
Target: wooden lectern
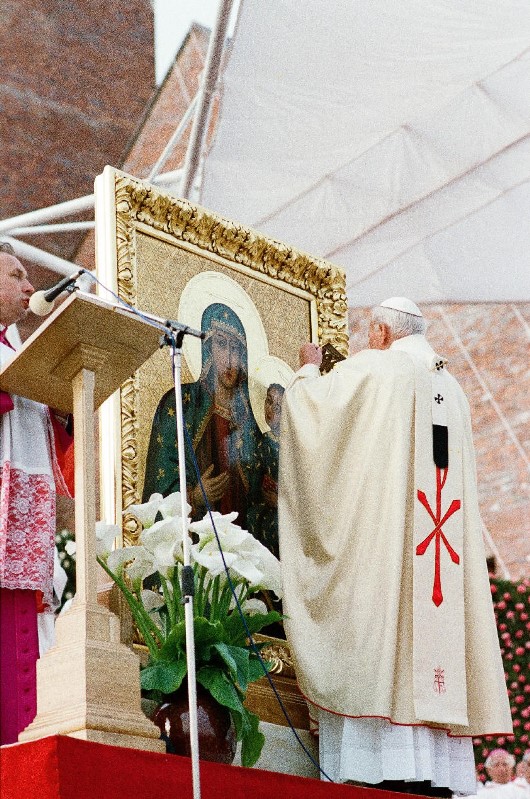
{"x": 88, "y": 683}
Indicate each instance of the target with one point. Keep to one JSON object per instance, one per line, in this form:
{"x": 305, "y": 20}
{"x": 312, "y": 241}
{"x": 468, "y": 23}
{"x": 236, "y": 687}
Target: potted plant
{"x": 225, "y": 660}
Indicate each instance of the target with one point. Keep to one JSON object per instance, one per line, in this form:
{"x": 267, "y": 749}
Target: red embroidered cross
{"x": 437, "y": 533}
{"x": 439, "y": 681}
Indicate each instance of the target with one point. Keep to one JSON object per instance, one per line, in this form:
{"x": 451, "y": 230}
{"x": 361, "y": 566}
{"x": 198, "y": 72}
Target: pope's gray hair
{"x": 499, "y": 754}
{"x": 401, "y": 324}
{"x": 6, "y": 247}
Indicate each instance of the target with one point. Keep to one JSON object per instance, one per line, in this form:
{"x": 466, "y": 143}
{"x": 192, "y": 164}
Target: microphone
{"x": 42, "y": 302}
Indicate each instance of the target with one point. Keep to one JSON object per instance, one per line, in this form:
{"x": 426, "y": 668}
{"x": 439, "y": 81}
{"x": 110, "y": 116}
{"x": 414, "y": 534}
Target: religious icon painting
{"x": 256, "y": 301}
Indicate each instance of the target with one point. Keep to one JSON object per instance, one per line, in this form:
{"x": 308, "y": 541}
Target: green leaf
{"x": 252, "y": 739}
{"x": 246, "y": 723}
{"x": 165, "y": 675}
{"x": 236, "y": 633}
{"x": 223, "y": 690}
{"x": 255, "y": 668}
{"x": 237, "y": 660}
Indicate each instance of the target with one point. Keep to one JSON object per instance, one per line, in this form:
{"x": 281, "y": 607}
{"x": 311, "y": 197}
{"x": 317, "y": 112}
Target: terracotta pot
{"x": 217, "y": 737}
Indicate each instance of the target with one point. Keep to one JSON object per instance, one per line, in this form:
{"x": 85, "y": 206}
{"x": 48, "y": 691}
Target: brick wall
{"x": 75, "y": 78}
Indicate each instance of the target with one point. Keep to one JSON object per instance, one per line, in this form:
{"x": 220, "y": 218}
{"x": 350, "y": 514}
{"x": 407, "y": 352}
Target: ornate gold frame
{"x": 126, "y": 206}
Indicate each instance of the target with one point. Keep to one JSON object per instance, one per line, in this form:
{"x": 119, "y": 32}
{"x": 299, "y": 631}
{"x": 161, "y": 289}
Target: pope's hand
{"x": 214, "y": 488}
{"x": 310, "y": 353}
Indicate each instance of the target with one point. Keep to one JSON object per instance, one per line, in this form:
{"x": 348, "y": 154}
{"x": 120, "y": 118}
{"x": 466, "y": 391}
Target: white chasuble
{"x": 386, "y": 590}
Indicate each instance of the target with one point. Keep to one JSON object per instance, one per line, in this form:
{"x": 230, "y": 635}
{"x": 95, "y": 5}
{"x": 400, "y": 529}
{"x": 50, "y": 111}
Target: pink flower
{"x": 501, "y": 605}
{"x": 518, "y": 633}
{"x": 507, "y": 596}
{"x": 520, "y": 650}
{"x": 521, "y": 589}
{"x": 519, "y": 606}
{"x": 516, "y": 667}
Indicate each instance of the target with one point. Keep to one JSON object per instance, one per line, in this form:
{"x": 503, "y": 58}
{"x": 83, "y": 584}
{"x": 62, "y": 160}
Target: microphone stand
{"x": 188, "y": 582}
{"x": 173, "y": 336}
{"x": 174, "y": 333}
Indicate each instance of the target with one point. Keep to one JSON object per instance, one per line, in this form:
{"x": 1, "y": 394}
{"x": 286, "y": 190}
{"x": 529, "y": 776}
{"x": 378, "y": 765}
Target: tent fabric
{"x": 391, "y": 137}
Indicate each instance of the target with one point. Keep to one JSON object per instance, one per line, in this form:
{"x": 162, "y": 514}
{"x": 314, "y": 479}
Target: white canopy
{"x": 390, "y": 136}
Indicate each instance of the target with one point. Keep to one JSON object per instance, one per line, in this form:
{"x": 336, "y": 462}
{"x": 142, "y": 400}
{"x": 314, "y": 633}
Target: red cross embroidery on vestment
{"x": 437, "y": 533}
{"x": 439, "y": 681}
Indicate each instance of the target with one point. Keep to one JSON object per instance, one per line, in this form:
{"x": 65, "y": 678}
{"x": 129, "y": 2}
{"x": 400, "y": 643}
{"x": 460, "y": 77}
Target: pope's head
{"x": 15, "y": 288}
{"x": 395, "y": 318}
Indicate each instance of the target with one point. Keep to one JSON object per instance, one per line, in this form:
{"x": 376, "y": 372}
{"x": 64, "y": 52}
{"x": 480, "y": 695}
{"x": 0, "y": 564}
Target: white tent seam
{"x": 333, "y": 253}
{"x": 404, "y": 126}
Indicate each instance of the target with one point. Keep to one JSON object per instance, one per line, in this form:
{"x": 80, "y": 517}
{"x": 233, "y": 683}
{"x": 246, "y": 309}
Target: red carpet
{"x": 60, "y": 767}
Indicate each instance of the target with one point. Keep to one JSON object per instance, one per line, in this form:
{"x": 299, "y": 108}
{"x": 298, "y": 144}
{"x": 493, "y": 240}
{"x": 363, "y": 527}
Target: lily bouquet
{"x": 225, "y": 660}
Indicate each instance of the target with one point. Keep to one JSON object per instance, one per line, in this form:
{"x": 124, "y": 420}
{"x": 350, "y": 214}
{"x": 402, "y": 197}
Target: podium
{"x": 88, "y": 684}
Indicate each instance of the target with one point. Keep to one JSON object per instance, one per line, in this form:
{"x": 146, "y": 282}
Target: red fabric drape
{"x": 60, "y": 767}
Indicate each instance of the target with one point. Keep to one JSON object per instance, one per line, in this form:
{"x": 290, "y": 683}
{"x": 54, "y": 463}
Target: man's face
{"x": 500, "y": 771}
{"x": 228, "y": 359}
{"x": 15, "y": 290}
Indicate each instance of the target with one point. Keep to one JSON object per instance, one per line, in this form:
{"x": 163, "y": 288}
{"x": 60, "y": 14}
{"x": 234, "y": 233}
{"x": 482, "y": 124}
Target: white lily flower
{"x": 211, "y": 559}
{"x": 105, "y": 536}
{"x": 245, "y": 556}
{"x": 171, "y": 506}
{"x": 137, "y": 562}
{"x": 265, "y": 562}
{"x": 70, "y": 547}
{"x": 163, "y": 540}
{"x": 252, "y": 606}
{"x": 230, "y": 535}
{"x": 146, "y": 511}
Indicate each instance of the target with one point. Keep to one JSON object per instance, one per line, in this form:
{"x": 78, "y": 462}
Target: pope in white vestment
{"x": 386, "y": 591}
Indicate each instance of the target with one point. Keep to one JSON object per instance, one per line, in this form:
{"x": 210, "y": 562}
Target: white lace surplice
{"x": 372, "y": 750}
{"x": 29, "y": 476}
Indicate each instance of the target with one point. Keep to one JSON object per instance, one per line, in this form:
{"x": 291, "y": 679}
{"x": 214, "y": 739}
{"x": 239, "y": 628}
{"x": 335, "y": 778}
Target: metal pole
{"x": 188, "y": 599}
{"x": 173, "y": 140}
{"x": 51, "y": 212}
{"x": 211, "y": 71}
{"x": 38, "y": 256}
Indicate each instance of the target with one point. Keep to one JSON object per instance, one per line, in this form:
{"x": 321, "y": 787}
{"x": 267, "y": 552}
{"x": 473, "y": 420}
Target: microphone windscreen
{"x": 40, "y": 305}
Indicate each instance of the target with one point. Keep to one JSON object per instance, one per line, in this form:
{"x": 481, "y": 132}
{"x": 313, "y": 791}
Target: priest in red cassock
{"x": 386, "y": 592}
{"x": 33, "y": 446}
